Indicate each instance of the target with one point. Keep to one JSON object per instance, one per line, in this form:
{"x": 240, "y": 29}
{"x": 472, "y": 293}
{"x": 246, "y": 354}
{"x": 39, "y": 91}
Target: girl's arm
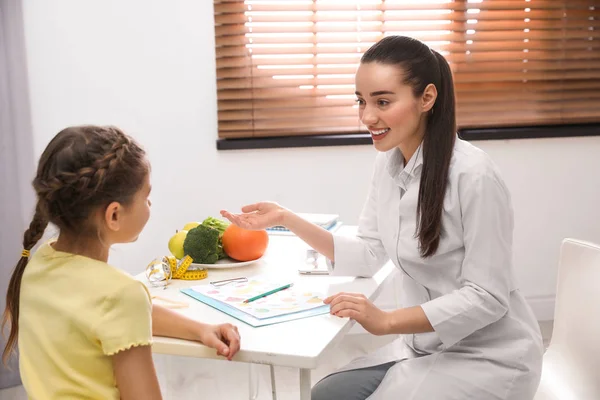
{"x": 225, "y": 338}
{"x": 135, "y": 374}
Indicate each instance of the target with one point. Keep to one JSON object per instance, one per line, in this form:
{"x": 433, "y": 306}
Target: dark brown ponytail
{"x": 437, "y": 153}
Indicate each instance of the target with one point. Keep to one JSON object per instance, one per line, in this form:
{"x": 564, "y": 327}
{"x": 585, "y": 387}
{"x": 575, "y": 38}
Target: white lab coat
{"x": 487, "y": 344}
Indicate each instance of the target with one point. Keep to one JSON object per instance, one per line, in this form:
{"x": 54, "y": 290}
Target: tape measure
{"x": 179, "y": 269}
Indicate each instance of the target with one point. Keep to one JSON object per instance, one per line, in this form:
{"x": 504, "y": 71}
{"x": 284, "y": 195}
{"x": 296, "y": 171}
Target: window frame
{"x": 472, "y": 132}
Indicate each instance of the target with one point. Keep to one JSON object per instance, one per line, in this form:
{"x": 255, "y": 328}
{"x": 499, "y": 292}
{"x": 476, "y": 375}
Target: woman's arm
{"x": 486, "y": 274}
{"x": 362, "y": 255}
{"x": 224, "y": 338}
{"x": 316, "y": 237}
{"x": 135, "y": 374}
{"x": 267, "y": 214}
{"x": 376, "y": 321}
{"x": 408, "y": 320}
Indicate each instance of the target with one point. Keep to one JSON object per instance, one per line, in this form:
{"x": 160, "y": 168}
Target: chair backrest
{"x": 576, "y": 333}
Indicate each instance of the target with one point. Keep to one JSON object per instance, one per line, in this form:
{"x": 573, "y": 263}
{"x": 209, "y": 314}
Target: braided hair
{"x": 82, "y": 168}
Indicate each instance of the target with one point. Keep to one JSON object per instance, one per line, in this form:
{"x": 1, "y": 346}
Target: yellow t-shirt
{"x": 75, "y": 313}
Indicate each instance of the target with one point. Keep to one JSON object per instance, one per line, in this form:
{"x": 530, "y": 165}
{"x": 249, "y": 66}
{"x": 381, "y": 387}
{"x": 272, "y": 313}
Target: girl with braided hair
{"x": 84, "y": 328}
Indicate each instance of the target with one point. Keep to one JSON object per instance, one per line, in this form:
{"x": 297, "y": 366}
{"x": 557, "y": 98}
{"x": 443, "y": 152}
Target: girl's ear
{"x": 113, "y": 216}
{"x": 428, "y": 99}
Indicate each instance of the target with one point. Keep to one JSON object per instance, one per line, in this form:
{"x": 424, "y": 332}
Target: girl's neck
{"x": 88, "y": 247}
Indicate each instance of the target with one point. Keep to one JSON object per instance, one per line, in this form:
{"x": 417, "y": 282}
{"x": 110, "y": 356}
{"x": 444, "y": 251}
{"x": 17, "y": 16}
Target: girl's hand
{"x": 257, "y": 216}
{"x": 360, "y": 309}
{"x": 225, "y": 338}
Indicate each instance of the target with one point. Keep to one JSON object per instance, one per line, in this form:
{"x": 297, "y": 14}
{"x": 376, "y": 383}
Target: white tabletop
{"x": 300, "y": 343}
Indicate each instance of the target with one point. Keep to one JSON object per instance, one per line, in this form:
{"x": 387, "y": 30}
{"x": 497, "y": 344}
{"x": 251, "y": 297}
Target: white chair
{"x": 571, "y": 369}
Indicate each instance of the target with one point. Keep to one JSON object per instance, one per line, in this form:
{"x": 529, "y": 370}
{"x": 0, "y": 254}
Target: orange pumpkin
{"x": 244, "y": 245}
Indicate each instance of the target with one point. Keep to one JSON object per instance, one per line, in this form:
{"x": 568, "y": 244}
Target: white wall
{"x": 148, "y": 67}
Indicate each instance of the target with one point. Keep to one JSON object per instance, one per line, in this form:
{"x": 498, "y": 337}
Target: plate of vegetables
{"x": 214, "y": 243}
{"x": 223, "y": 263}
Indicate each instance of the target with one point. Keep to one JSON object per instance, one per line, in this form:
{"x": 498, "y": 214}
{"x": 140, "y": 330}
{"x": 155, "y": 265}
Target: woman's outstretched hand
{"x": 257, "y": 216}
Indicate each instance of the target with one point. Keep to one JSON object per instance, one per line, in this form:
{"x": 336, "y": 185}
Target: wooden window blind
{"x": 287, "y": 67}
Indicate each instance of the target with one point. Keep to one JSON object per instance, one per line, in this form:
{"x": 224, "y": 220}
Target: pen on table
{"x": 268, "y": 293}
{"x": 224, "y": 282}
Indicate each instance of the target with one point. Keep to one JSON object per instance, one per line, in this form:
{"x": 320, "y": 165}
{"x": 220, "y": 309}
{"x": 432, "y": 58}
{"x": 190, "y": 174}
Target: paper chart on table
{"x": 288, "y": 301}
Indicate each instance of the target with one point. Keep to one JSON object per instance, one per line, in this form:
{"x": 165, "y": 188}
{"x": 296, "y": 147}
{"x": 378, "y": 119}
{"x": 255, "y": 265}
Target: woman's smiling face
{"x": 388, "y": 107}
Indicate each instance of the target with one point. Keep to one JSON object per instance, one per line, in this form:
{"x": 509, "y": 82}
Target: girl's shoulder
{"x": 63, "y": 271}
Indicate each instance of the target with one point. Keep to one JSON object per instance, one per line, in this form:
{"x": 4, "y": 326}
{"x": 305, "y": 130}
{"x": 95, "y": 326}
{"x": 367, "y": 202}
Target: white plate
{"x": 225, "y": 263}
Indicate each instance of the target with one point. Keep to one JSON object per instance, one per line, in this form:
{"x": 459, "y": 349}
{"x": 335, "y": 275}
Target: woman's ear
{"x": 428, "y": 99}
{"x": 113, "y": 216}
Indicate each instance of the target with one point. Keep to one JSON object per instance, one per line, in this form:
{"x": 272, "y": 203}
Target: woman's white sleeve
{"x": 362, "y": 255}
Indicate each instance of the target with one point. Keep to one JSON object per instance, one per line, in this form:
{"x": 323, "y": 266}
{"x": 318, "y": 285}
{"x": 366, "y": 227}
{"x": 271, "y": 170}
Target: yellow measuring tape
{"x": 179, "y": 270}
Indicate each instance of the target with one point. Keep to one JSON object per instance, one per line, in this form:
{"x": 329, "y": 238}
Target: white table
{"x": 300, "y": 343}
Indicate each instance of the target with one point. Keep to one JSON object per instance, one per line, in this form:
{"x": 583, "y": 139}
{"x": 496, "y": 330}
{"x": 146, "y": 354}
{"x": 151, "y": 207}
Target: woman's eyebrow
{"x": 377, "y": 93}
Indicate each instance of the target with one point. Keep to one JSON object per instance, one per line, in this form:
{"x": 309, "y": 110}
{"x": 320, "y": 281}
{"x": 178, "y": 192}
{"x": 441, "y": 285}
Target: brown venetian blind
{"x": 287, "y": 67}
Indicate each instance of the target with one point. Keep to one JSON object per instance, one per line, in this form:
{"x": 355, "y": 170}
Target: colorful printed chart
{"x": 285, "y": 305}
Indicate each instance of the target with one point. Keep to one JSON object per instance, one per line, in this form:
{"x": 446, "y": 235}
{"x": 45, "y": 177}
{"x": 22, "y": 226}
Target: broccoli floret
{"x": 202, "y": 244}
{"x": 219, "y": 225}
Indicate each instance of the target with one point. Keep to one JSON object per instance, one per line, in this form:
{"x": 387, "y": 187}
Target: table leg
{"x": 304, "y": 384}
{"x": 252, "y": 382}
{"x": 273, "y": 390}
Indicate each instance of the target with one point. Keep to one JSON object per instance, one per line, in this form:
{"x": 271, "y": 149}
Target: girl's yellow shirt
{"x": 75, "y": 313}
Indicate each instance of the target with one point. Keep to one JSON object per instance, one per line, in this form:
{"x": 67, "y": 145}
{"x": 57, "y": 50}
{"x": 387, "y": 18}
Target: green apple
{"x": 176, "y": 244}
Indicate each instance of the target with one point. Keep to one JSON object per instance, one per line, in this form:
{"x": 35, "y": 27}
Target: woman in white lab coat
{"x": 439, "y": 209}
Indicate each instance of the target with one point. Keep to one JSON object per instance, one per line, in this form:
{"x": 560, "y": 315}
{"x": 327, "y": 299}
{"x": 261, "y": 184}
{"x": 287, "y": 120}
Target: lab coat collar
{"x": 402, "y": 175}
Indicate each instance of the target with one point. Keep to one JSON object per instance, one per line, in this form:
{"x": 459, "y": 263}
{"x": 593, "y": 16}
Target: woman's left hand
{"x": 225, "y": 338}
{"x": 360, "y": 309}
